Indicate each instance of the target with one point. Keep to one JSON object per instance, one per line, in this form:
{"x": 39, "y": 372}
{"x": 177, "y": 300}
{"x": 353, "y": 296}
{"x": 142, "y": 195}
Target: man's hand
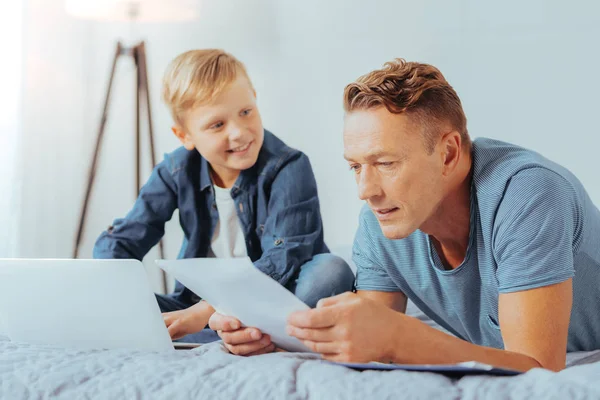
{"x": 351, "y": 328}
{"x": 190, "y": 320}
{"x": 239, "y": 340}
{"x": 348, "y": 328}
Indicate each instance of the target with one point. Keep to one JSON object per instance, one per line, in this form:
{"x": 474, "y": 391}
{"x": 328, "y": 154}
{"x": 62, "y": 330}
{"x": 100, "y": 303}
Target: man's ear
{"x": 452, "y": 151}
{"x": 183, "y": 137}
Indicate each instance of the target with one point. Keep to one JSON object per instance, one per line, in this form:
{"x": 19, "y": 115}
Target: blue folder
{"x": 452, "y": 370}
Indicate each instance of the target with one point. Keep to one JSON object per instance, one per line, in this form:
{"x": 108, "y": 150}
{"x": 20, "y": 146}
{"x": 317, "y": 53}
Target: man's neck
{"x": 449, "y": 227}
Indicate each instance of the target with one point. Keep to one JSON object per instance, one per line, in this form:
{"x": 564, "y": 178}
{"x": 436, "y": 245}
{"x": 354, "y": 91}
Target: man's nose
{"x": 368, "y": 183}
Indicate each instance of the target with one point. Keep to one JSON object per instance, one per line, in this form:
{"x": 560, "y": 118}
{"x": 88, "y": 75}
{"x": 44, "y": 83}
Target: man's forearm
{"x": 441, "y": 348}
{"x": 395, "y": 300}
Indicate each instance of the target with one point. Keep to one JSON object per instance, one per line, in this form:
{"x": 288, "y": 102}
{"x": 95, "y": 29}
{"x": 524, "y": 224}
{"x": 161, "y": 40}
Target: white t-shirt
{"x": 228, "y": 239}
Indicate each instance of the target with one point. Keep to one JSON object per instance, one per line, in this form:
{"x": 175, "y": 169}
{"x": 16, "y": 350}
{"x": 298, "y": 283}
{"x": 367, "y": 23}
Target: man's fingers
{"x": 336, "y": 357}
{"x": 219, "y": 322}
{"x": 315, "y": 335}
{"x": 241, "y": 336}
{"x": 325, "y": 348}
{"x": 249, "y": 348}
{"x": 324, "y": 317}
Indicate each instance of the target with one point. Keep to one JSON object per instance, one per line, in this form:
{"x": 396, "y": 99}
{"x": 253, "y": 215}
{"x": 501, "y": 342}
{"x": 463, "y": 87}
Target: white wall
{"x": 526, "y": 72}
{"x": 11, "y": 17}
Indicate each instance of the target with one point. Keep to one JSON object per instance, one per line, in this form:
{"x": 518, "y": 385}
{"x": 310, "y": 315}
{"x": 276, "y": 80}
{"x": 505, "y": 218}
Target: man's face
{"x": 228, "y": 132}
{"x": 400, "y": 181}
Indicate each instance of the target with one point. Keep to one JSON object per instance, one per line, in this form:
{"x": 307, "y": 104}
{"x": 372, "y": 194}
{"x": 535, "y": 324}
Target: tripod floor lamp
{"x": 133, "y": 12}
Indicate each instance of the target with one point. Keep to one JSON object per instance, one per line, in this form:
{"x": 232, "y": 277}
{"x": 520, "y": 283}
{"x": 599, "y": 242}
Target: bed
{"x": 44, "y": 372}
{"x": 47, "y": 372}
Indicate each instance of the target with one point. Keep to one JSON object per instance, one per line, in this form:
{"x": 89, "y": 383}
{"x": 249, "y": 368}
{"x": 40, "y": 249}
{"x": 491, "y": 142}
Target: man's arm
{"x": 536, "y": 323}
{"x": 354, "y": 328}
{"x": 533, "y": 243}
{"x": 394, "y": 300}
{"x": 533, "y": 236}
{"x": 534, "y": 326}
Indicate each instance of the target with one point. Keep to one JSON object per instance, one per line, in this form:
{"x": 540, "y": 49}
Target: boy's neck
{"x": 224, "y": 177}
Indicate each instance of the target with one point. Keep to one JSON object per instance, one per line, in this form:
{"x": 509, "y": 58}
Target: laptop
{"x": 87, "y": 304}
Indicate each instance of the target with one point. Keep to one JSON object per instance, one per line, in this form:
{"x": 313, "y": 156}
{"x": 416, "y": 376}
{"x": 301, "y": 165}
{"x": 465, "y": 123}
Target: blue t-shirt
{"x": 532, "y": 225}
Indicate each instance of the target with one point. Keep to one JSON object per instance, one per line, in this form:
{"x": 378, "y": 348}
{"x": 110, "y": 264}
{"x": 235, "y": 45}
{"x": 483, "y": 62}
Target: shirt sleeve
{"x": 534, "y": 231}
{"x": 370, "y": 274}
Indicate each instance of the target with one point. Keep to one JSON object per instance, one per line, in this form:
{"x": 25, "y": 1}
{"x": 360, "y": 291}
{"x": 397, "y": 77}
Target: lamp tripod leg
{"x": 92, "y": 170}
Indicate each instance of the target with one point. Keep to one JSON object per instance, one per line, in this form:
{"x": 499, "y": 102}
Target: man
{"x": 497, "y": 244}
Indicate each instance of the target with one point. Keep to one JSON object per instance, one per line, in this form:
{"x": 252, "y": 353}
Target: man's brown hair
{"x": 419, "y": 90}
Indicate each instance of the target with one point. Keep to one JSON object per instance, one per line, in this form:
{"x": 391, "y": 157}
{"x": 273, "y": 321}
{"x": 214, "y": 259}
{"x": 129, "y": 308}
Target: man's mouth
{"x": 383, "y": 213}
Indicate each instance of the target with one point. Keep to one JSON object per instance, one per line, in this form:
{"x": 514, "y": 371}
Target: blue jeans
{"x": 325, "y": 275}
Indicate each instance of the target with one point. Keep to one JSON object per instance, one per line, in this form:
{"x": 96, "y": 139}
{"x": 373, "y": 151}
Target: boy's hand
{"x": 240, "y": 341}
{"x": 190, "y": 320}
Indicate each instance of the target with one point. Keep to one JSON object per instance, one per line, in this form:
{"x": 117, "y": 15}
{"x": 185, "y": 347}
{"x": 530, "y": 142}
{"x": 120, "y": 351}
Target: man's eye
{"x": 246, "y": 112}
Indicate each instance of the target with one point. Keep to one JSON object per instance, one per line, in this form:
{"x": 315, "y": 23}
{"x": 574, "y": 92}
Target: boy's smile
{"x": 227, "y": 132}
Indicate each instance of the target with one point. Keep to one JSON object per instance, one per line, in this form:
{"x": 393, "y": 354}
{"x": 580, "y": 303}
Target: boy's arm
{"x": 134, "y": 235}
{"x": 188, "y": 321}
{"x": 293, "y": 226}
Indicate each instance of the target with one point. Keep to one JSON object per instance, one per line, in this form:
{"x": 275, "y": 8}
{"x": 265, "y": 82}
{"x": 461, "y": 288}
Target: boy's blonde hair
{"x": 197, "y": 76}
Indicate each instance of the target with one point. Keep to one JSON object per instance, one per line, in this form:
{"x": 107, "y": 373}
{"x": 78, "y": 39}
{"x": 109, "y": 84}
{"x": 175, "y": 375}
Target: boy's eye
{"x": 246, "y": 112}
{"x": 216, "y": 126}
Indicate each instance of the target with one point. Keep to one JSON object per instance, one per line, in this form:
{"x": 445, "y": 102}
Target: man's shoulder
{"x": 516, "y": 184}
{"x": 496, "y": 163}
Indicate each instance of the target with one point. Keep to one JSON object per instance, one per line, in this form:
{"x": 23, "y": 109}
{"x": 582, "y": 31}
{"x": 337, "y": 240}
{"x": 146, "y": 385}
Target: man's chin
{"x": 395, "y": 232}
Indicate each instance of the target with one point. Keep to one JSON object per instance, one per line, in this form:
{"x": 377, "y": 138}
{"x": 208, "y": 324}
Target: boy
{"x": 240, "y": 192}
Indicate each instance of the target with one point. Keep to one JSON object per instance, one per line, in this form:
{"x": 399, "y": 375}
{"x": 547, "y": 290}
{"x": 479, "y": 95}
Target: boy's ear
{"x": 183, "y": 137}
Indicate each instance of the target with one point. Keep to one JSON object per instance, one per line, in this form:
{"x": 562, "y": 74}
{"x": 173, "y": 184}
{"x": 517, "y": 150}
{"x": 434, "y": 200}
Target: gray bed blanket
{"x": 43, "y": 372}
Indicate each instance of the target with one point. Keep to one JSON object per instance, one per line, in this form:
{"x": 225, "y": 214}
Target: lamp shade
{"x": 133, "y": 10}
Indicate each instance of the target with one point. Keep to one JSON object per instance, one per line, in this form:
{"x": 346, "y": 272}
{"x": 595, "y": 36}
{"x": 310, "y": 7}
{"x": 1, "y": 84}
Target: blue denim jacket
{"x": 276, "y": 202}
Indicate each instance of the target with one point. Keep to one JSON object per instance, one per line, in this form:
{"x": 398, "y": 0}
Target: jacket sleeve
{"x": 142, "y": 228}
{"x": 293, "y": 230}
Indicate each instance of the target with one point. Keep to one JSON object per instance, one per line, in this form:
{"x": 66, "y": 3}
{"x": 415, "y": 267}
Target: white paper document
{"x": 235, "y": 287}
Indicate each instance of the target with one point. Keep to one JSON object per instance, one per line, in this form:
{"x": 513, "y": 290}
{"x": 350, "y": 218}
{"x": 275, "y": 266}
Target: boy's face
{"x": 227, "y": 132}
